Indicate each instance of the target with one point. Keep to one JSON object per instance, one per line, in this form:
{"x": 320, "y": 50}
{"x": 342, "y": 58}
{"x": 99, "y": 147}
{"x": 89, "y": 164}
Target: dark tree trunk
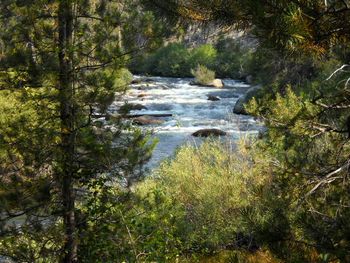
{"x": 66, "y": 167}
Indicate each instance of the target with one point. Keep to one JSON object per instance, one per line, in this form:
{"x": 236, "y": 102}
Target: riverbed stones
{"x": 208, "y": 133}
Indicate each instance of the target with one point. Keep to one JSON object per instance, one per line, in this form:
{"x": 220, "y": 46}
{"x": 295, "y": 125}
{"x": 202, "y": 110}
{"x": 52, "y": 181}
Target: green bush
{"x": 203, "y": 75}
{"x": 206, "y": 188}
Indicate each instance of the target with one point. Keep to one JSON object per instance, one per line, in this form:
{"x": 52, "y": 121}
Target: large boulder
{"x": 209, "y": 132}
{"x": 216, "y": 83}
{"x": 239, "y": 107}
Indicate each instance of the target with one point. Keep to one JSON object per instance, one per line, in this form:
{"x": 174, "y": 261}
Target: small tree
{"x": 203, "y": 75}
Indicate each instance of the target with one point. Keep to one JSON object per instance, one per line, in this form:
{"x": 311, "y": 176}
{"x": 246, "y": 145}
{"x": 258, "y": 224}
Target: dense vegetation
{"x": 227, "y": 58}
{"x": 68, "y": 190}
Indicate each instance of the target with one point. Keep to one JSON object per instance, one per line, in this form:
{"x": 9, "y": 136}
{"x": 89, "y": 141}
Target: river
{"x": 190, "y": 108}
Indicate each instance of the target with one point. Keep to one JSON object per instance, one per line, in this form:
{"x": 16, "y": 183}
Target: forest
{"x": 175, "y": 131}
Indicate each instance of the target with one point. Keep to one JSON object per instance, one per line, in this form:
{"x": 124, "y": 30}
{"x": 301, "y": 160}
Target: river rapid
{"x": 190, "y": 111}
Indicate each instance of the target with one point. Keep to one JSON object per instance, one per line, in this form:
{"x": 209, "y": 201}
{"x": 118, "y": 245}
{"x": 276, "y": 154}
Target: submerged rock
{"x": 209, "y": 132}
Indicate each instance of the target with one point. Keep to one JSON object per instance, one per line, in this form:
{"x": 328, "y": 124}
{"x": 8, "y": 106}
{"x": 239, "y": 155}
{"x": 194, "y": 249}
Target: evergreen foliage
{"x": 62, "y": 62}
{"x": 67, "y": 190}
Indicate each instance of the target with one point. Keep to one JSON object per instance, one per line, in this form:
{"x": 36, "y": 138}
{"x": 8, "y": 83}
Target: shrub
{"x": 206, "y": 189}
{"x": 203, "y": 75}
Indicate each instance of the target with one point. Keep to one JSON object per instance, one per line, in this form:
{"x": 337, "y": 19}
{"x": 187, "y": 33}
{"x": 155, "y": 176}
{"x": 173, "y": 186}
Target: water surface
{"x": 191, "y": 111}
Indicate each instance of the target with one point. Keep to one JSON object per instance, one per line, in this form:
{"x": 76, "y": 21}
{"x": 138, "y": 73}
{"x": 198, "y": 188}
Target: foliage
{"x": 191, "y": 206}
{"x": 203, "y": 75}
{"x": 175, "y": 60}
{"x": 195, "y": 203}
{"x": 202, "y": 55}
{"x": 168, "y": 61}
{"x": 315, "y": 179}
{"x": 234, "y": 59}
{"x": 67, "y": 188}
{"x": 297, "y": 26}
{"x": 54, "y": 78}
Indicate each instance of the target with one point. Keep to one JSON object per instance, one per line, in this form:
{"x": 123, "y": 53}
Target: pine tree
{"x": 62, "y": 62}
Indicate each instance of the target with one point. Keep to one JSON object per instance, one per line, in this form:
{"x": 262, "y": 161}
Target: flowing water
{"x": 191, "y": 111}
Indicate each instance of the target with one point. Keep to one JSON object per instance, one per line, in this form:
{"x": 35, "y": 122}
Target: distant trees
{"x": 175, "y": 60}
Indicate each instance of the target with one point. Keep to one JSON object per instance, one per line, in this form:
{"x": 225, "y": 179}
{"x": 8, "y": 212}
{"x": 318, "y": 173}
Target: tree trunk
{"x": 66, "y": 167}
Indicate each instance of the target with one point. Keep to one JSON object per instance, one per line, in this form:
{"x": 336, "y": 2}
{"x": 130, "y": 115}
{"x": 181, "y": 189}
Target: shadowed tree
{"x": 61, "y": 65}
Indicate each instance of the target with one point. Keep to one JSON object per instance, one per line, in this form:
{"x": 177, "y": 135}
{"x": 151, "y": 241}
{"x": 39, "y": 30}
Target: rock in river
{"x": 213, "y": 98}
{"x": 147, "y": 120}
{"x": 216, "y": 83}
{"x": 209, "y": 132}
